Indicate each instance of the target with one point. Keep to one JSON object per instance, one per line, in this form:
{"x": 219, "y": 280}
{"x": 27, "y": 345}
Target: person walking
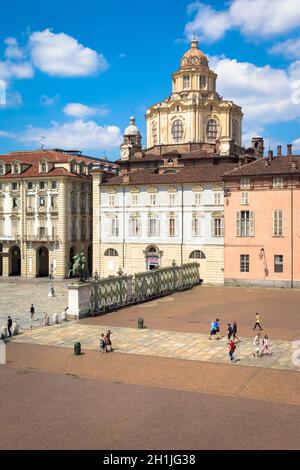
{"x": 232, "y": 347}
{"x": 217, "y": 328}
{"x": 229, "y": 331}
{"x": 257, "y": 322}
{"x": 32, "y": 312}
{"x": 256, "y": 343}
{"x": 108, "y": 340}
{"x": 9, "y": 325}
{"x": 234, "y": 331}
{"x": 265, "y": 345}
{"x": 103, "y": 347}
{"x": 212, "y": 329}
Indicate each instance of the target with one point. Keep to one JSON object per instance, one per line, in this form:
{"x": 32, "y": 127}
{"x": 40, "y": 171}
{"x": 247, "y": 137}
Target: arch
{"x": 211, "y": 130}
{"x": 235, "y": 128}
{"x": 90, "y": 259}
{"x": 177, "y": 130}
{"x": 42, "y": 262}
{"x": 15, "y": 261}
{"x": 111, "y": 252}
{"x": 197, "y": 254}
{"x": 153, "y": 257}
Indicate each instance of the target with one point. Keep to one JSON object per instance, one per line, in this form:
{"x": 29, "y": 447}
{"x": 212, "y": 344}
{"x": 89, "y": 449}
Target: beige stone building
{"x": 194, "y": 112}
{"x": 45, "y": 211}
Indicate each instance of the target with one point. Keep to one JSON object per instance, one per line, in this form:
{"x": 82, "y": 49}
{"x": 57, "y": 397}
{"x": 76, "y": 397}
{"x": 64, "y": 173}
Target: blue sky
{"x": 75, "y": 71}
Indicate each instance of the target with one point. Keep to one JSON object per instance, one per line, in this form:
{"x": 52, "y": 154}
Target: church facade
{"x": 167, "y": 203}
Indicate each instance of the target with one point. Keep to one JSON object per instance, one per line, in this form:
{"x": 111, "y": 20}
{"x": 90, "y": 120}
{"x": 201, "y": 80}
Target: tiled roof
{"x": 31, "y": 159}
{"x": 201, "y": 173}
{"x": 278, "y": 165}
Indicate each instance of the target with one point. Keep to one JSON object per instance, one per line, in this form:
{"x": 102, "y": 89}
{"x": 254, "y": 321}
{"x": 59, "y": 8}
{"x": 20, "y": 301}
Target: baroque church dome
{"x": 194, "y": 56}
{"x": 132, "y": 129}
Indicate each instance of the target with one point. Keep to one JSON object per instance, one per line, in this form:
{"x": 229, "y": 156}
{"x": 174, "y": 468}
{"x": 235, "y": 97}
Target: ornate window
{"x": 153, "y": 225}
{"x": 111, "y": 252}
{"x": 172, "y": 225}
{"x": 186, "y": 81}
{"x": 202, "y": 80}
{"x": 235, "y": 129}
{"x": 196, "y": 224}
{"x": 135, "y": 225}
{"x": 154, "y": 133}
{"x": 211, "y": 130}
{"x": 177, "y": 130}
{"x": 197, "y": 254}
{"x": 113, "y": 226}
{"x": 15, "y": 168}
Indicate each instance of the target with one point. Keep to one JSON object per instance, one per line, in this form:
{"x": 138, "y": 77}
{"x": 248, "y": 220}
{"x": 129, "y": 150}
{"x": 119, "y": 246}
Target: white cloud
{"x": 82, "y": 135}
{"x": 79, "y": 110}
{"x": 62, "y": 55}
{"x": 7, "y": 135}
{"x": 10, "y": 70}
{"x": 296, "y": 144}
{"x": 254, "y": 18}
{"x": 289, "y": 48}
{"x": 49, "y": 100}
{"x": 13, "y": 50}
{"x": 266, "y": 94}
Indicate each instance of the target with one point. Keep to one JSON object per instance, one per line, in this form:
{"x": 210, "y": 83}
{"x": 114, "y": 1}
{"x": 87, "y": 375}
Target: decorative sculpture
{"x": 79, "y": 267}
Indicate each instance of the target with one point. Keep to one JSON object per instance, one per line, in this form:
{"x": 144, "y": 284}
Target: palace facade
{"x": 45, "y": 211}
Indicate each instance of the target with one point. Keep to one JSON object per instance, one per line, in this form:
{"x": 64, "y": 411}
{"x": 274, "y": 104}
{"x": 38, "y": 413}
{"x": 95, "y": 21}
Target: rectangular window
{"x": 54, "y": 184}
{"x": 42, "y": 185}
{"x": 172, "y": 227}
{"x": 134, "y": 199}
{"x": 30, "y": 227}
{"x": 15, "y": 226}
{"x": 196, "y": 227}
{"x": 113, "y": 227}
{"x": 278, "y": 263}
{"x": 244, "y": 263}
{"x": 1, "y": 203}
{"x": 14, "y": 186}
{"x": 202, "y": 81}
{"x": 1, "y": 227}
{"x": 54, "y": 202}
{"x": 42, "y": 201}
{"x": 245, "y": 183}
{"x": 172, "y": 199}
{"x": 153, "y": 227}
{"x": 186, "y": 81}
{"x": 245, "y": 198}
{"x": 277, "y": 223}
{"x": 197, "y": 199}
{"x": 1, "y": 186}
{"x": 218, "y": 227}
{"x": 111, "y": 200}
{"x": 15, "y": 202}
{"x": 30, "y": 203}
{"x": 217, "y": 198}
{"x": 134, "y": 227}
{"x": 152, "y": 199}
{"x": 30, "y": 185}
{"x": 278, "y": 182}
{"x": 245, "y": 224}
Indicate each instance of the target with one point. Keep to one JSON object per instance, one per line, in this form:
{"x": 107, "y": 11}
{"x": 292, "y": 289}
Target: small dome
{"x": 194, "y": 56}
{"x": 132, "y": 129}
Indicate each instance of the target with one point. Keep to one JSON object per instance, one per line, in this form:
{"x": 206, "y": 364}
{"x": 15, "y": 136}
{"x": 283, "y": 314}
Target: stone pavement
{"x": 167, "y": 344}
{"x": 17, "y": 294}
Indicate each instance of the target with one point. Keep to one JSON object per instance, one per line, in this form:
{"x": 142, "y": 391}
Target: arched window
{"x": 234, "y": 131}
{"x": 211, "y": 130}
{"x": 197, "y": 254}
{"x": 177, "y": 130}
{"x": 1, "y": 169}
{"x": 43, "y": 167}
{"x": 16, "y": 168}
{"x": 111, "y": 252}
{"x": 154, "y": 133}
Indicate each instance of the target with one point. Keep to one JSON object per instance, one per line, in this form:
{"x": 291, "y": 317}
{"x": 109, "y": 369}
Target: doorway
{"x": 42, "y": 262}
{"x": 15, "y": 261}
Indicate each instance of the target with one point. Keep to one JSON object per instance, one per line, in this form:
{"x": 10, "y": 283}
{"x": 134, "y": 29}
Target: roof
{"x": 280, "y": 165}
{"x": 203, "y": 173}
{"x": 31, "y": 160}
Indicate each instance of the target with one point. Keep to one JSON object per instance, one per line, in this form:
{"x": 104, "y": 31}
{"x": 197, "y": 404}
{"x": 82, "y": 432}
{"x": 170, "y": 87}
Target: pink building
{"x": 262, "y": 222}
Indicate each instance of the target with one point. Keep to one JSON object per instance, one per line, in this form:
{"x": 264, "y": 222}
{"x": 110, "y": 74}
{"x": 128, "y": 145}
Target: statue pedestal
{"x": 79, "y": 300}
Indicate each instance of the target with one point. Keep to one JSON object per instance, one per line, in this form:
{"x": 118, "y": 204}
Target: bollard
{"x": 3, "y": 332}
{"x": 47, "y": 320}
{"x": 2, "y": 352}
{"x": 77, "y": 348}
{"x": 140, "y": 323}
{"x": 55, "y": 319}
{"x": 16, "y": 328}
{"x": 51, "y": 292}
{"x": 64, "y": 315}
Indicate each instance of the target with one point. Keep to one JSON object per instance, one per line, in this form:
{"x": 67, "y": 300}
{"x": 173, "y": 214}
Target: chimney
{"x": 270, "y": 154}
{"x": 289, "y": 149}
{"x": 279, "y": 152}
{"x": 125, "y": 178}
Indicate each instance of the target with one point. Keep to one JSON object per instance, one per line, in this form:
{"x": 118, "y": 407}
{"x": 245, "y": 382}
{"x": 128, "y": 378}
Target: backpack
{"x": 102, "y": 343}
